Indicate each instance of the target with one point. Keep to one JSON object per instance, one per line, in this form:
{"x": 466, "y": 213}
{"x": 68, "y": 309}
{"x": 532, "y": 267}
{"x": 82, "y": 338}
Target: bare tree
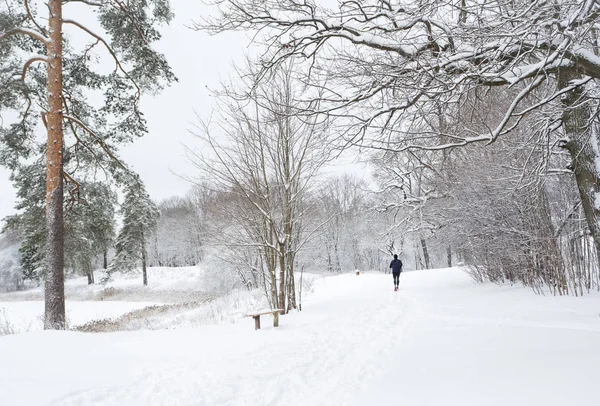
{"x": 390, "y": 65}
{"x": 263, "y": 155}
{"x": 504, "y": 208}
{"x": 350, "y": 236}
{"x": 177, "y": 240}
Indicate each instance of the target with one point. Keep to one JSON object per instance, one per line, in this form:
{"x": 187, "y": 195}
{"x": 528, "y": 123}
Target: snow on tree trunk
{"x": 583, "y": 145}
{"x": 282, "y": 300}
{"x": 291, "y": 286}
{"x": 583, "y": 150}
{"x": 144, "y": 271}
{"x": 425, "y": 254}
{"x": 54, "y": 286}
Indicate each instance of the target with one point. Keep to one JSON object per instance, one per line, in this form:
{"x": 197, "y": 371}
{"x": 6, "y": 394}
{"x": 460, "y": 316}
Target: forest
{"x": 476, "y": 122}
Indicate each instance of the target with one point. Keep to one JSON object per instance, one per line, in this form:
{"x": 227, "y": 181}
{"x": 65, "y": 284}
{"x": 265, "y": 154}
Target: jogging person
{"x": 396, "y": 266}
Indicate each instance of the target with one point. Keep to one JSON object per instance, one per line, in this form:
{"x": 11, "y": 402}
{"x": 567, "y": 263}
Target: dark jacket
{"x": 396, "y": 265}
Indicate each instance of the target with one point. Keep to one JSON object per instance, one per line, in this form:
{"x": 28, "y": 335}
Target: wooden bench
{"x": 256, "y": 317}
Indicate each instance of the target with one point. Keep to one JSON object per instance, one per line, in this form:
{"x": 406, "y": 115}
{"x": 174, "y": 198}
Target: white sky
{"x": 200, "y": 61}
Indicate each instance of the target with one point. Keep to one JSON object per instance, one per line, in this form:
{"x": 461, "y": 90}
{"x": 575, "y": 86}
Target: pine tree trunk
{"x": 54, "y": 317}
{"x": 449, "y": 256}
{"x": 105, "y": 260}
{"x": 144, "y": 271}
{"x": 90, "y": 276}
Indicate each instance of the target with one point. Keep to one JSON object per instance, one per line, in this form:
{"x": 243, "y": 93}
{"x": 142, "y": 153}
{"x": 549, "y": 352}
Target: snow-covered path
{"x": 440, "y": 340}
{"x": 486, "y": 345}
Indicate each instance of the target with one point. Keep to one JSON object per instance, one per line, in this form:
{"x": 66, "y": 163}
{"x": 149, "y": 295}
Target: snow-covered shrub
{"x": 6, "y": 326}
{"x": 11, "y": 275}
{"x": 221, "y": 275}
{"x": 11, "y": 272}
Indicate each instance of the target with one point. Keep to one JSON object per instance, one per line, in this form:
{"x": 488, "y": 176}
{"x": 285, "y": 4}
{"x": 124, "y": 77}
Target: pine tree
{"x": 43, "y": 75}
{"x": 90, "y": 228}
{"x": 140, "y": 216}
{"x": 11, "y": 272}
{"x": 89, "y": 222}
{"x": 29, "y": 222}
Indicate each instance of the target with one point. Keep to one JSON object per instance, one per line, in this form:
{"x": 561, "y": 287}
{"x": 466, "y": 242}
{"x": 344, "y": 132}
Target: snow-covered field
{"x": 202, "y": 304}
{"x": 23, "y": 311}
{"x": 29, "y": 316}
{"x": 440, "y": 340}
{"x": 165, "y": 284}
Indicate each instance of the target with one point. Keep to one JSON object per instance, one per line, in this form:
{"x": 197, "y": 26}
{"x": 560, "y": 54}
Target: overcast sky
{"x": 200, "y": 61}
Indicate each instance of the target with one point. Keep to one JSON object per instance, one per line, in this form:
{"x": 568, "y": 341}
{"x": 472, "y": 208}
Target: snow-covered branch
{"x": 25, "y": 31}
{"x": 118, "y": 65}
{"x": 88, "y": 2}
{"x": 29, "y": 62}
{"x": 32, "y": 18}
{"x": 97, "y": 139}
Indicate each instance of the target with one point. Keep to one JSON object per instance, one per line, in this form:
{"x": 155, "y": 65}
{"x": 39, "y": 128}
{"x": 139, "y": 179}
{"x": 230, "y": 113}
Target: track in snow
{"x": 440, "y": 340}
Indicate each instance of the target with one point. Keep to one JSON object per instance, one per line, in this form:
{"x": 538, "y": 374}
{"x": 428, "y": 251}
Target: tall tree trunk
{"x": 338, "y": 262}
{"x": 449, "y": 256}
{"x": 271, "y": 254}
{"x": 583, "y": 145}
{"x": 105, "y": 260}
{"x": 144, "y": 272}
{"x": 54, "y": 317}
{"x": 282, "y": 295}
{"x": 588, "y": 183}
{"x": 425, "y": 254}
{"x": 418, "y": 263}
{"x": 90, "y": 276}
{"x": 329, "y": 260}
{"x": 291, "y": 282}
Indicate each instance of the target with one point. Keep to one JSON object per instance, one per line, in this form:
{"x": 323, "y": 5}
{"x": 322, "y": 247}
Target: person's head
{"x": 395, "y": 256}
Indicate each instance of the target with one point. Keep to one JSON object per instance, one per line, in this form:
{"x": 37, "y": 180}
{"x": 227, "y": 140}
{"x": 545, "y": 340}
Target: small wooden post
{"x": 276, "y": 319}
{"x": 257, "y": 322}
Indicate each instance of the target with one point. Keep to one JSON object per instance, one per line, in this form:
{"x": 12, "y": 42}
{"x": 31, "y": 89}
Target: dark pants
{"x": 396, "y": 278}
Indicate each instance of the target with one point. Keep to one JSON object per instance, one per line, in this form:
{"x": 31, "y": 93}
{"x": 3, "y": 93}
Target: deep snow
{"x": 440, "y": 340}
{"x": 23, "y": 311}
{"x": 29, "y": 316}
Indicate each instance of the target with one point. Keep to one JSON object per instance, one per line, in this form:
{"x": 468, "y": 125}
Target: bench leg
{"x": 276, "y": 319}
{"x": 256, "y": 322}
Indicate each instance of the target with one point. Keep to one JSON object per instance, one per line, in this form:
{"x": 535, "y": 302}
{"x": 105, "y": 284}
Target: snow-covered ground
{"x": 165, "y": 284}
{"x": 23, "y": 311}
{"x": 29, "y": 316}
{"x": 191, "y": 286}
{"x": 440, "y": 340}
